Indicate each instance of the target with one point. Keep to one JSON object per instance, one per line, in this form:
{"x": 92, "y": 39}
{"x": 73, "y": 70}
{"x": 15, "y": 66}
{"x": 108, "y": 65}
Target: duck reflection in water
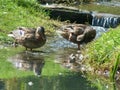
{"x": 28, "y": 61}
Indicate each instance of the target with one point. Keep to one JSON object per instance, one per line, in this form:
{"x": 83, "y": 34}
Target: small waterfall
{"x": 106, "y": 21}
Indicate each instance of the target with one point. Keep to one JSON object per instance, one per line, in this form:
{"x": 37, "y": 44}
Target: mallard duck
{"x": 29, "y": 37}
{"x": 78, "y": 33}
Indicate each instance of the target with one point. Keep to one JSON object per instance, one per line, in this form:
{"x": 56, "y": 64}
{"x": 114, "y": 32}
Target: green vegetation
{"x": 101, "y": 83}
{"x": 115, "y": 68}
{"x": 100, "y": 8}
{"x": 103, "y": 54}
{"x": 104, "y": 51}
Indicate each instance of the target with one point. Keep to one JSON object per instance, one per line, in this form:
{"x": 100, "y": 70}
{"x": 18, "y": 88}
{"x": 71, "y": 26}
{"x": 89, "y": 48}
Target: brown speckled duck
{"x": 78, "y": 33}
{"x": 29, "y": 37}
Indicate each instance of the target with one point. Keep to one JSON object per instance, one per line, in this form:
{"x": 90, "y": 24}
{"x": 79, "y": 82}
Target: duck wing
{"x": 16, "y": 34}
{"x": 22, "y": 33}
{"x": 78, "y": 30}
{"x": 27, "y": 30}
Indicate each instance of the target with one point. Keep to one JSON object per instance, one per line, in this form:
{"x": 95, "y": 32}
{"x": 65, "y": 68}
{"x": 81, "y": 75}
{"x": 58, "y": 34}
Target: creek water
{"x": 46, "y": 60}
{"x": 70, "y": 82}
{"x": 43, "y": 61}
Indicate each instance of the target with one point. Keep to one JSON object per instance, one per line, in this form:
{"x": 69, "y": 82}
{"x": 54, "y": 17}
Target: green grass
{"x": 100, "y": 8}
{"x": 104, "y": 51}
{"x": 115, "y": 68}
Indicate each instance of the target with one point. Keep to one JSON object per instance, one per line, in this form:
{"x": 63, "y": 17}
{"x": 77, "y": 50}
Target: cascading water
{"x": 105, "y": 21}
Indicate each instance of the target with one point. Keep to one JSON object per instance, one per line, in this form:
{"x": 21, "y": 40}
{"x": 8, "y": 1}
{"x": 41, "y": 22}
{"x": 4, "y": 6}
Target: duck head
{"x": 40, "y": 33}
